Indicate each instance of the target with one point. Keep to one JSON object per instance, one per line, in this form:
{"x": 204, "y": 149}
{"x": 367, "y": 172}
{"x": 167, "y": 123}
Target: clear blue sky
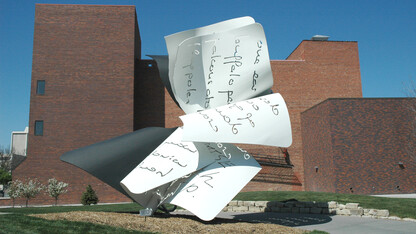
{"x": 385, "y": 31}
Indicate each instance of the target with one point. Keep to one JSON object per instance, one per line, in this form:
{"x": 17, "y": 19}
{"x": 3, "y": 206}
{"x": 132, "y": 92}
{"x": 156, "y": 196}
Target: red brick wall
{"x": 149, "y": 96}
{"x": 368, "y": 137}
{"x": 5, "y": 202}
{"x": 315, "y": 71}
{"x": 317, "y": 149}
{"x": 329, "y": 69}
{"x": 86, "y": 55}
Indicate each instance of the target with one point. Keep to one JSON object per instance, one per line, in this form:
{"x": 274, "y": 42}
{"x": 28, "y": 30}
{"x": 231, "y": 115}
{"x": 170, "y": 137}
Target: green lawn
{"x": 18, "y": 223}
{"x": 126, "y": 208}
{"x": 401, "y": 207}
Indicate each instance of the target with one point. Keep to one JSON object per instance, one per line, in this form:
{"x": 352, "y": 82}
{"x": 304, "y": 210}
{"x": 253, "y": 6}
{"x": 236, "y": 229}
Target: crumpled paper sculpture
{"x": 220, "y": 75}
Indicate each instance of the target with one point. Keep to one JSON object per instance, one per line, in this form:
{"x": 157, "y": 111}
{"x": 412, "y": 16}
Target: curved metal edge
{"x": 111, "y": 160}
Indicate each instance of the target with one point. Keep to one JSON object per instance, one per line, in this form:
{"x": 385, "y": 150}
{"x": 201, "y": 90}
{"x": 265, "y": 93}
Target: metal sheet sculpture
{"x": 220, "y": 76}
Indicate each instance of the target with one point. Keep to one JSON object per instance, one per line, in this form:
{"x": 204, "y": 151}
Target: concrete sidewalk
{"x": 334, "y": 224}
{"x": 411, "y": 195}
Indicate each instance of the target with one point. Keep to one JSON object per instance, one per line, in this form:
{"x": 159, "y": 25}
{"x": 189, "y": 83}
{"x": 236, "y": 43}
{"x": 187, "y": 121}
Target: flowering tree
{"x": 31, "y": 189}
{"x": 56, "y": 188}
{"x": 14, "y": 189}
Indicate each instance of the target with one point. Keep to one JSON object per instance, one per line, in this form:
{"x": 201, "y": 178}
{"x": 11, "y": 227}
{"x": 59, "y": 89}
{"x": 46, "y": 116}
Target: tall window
{"x": 39, "y": 128}
{"x": 40, "y": 87}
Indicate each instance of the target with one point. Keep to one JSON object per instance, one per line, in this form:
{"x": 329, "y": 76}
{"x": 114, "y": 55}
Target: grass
{"x": 122, "y": 208}
{"x": 318, "y": 232}
{"x": 18, "y": 223}
{"x": 401, "y": 207}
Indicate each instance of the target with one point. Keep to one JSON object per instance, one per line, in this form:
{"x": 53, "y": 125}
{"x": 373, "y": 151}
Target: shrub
{"x": 31, "y": 189}
{"x": 56, "y": 188}
{"x": 14, "y": 189}
{"x": 5, "y": 176}
{"x": 89, "y": 197}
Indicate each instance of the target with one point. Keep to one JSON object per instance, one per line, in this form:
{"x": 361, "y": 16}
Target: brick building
{"x": 90, "y": 84}
{"x": 360, "y": 146}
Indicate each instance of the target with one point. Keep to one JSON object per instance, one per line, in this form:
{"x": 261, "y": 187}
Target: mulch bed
{"x": 169, "y": 224}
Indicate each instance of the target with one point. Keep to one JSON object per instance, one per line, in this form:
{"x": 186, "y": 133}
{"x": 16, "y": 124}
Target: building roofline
{"x": 314, "y": 41}
{"x": 329, "y": 41}
{"x": 52, "y": 4}
{"x": 356, "y": 98}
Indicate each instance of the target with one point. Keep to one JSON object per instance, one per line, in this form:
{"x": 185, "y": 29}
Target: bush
{"x": 5, "y": 176}
{"x": 89, "y": 197}
{"x": 56, "y": 188}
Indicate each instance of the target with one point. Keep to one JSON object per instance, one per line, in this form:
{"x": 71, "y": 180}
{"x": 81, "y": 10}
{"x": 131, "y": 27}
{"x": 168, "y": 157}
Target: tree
{"x": 4, "y": 150}
{"x": 5, "y": 176}
{"x": 89, "y": 197}
{"x": 14, "y": 189}
{"x": 5, "y": 160}
{"x": 31, "y": 189}
{"x": 56, "y": 188}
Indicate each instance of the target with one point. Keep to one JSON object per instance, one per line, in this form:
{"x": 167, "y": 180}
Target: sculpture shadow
{"x": 216, "y": 220}
{"x": 285, "y": 219}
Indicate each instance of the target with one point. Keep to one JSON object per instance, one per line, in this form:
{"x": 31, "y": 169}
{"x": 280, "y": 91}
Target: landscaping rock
{"x": 300, "y": 204}
{"x": 233, "y": 203}
{"x": 261, "y": 203}
{"x": 240, "y": 208}
{"x": 372, "y": 212}
{"x": 332, "y": 205}
{"x": 279, "y": 204}
{"x": 248, "y": 203}
{"x": 316, "y": 210}
{"x": 295, "y": 209}
{"x": 382, "y": 213}
{"x": 322, "y": 204}
{"x": 325, "y": 211}
{"x": 309, "y": 204}
{"x": 351, "y": 206}
{"x": 332, "y": 211}
{"x": 342, "y": 212}
{"x": 359, "y": 211}
{"x": 304, "y": 210}
{"x": 289, "y": 204}
{"x": 255, "y": 209}
{"x": 276, "y": 209}
{"x": 409, "y": 219}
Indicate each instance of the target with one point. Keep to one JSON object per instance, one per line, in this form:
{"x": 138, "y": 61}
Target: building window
{"x": 40, "y": 87}
{"x": 39, "y": 128}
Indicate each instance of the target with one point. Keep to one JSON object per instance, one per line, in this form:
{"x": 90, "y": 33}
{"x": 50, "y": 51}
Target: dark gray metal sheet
{"x": 111, "y": 160}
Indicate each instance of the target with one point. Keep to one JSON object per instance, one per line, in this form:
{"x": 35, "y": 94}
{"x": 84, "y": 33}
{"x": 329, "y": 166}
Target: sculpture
{"x": 220, "y": 76}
